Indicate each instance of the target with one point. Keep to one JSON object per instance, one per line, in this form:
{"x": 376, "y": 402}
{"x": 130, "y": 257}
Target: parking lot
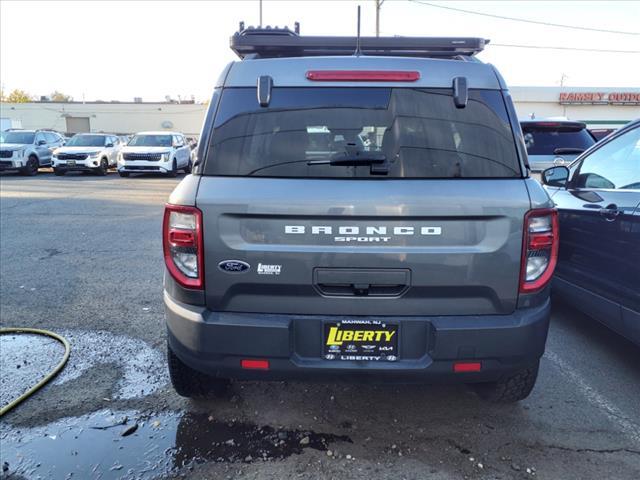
{"x": 81, "y": 255}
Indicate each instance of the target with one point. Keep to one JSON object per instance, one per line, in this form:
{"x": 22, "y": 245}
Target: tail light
{"x": 539, "y": 250}
{"x": 182, "y": 242}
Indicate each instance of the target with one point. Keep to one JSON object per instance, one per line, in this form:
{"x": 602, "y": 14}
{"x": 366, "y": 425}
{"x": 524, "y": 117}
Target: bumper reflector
{"x": 462, "y": 367}
{"x": 254, "y": 364}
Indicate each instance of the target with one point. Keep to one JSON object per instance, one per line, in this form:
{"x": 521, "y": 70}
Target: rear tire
{"x": 191, "y": 383}
{"x": 511, "y": 388}
{"x": 31, "y": 168}
{"x": 123, "y": 174}
{"x": 58, "y": 172}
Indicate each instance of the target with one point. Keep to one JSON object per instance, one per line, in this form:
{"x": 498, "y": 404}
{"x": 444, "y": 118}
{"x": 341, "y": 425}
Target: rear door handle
{"x": 610, "y": 212}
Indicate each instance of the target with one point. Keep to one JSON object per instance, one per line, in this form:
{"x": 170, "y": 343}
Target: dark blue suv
{"x": 598, "y": 199}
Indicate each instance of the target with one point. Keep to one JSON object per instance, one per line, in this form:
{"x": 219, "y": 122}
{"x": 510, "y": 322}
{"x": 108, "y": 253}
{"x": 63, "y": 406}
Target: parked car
{"x": 193, "y": 145}
{"x": 27, "y": 150}
{"x": 424, "y": 258}
{"x": 155, "y": 152}
{"x": 600, "y": 133}
{"x": 89, "y": 152}
{"x": 598, "y": 199}
{"x": 554, "y": 142}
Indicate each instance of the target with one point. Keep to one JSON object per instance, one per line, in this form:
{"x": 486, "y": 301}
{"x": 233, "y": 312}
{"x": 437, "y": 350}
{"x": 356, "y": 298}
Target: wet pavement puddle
{"x": 121, "y": 444}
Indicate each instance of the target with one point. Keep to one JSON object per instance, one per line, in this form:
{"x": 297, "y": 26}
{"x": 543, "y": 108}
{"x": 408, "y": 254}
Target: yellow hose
{"x": 49, "y": 376}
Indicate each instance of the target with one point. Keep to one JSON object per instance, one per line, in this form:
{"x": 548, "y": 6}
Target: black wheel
{"x": 187, "y": 169}
{"x": 174, "y": 170}
{"x": 103, "y": 168}
{"x": 123, "y": 174}
{"x": 31, "y": 168}
{"x": 190, "y": 383}
{"x": 58, "y": 172}
{"x": 511, "y": 388}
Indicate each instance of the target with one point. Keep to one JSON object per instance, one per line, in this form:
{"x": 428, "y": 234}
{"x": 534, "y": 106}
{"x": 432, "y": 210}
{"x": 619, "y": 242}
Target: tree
{"x": 60, "y": 97}
{"x": 18, "y": 96}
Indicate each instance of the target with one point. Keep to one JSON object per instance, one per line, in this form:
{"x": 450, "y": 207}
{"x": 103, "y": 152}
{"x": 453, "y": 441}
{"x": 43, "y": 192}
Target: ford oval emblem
{"x": 234, "y": 266}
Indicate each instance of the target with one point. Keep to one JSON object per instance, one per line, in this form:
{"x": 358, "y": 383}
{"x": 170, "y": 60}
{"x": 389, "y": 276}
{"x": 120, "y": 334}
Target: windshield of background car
{"x": 419, "y": 131}
{"x": 87, "y": 141}
{"x": 24, "y": 138}
{"x": 150, "y": 141}
{"x": 544, "y": 140}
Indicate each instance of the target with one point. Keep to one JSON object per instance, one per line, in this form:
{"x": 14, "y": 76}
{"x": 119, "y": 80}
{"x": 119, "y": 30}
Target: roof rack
{"x": 274, "y": 42}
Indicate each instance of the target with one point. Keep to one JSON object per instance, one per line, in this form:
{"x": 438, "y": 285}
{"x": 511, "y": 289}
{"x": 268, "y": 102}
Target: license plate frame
{"x": 71, "y": 163}
{"x": 380, "y": 345}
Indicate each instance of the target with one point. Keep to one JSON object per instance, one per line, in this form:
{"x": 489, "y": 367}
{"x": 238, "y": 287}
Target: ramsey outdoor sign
{"x": 600, "y": 98}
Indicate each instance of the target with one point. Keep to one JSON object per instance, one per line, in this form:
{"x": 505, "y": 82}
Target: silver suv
{"x": 359, "y": 217}
{"x": 28, "y": 150}
{"x": 553, "y": 142}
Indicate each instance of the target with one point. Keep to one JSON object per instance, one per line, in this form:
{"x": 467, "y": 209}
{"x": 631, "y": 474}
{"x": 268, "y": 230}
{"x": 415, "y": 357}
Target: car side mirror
{"x": 555, "y": 176}
{"x": 109, "y": 145}
{"x": 41, "y": 142}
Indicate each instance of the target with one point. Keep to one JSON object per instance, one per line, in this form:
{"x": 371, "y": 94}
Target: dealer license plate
{"x": 368, "y": 340}
{"x": 71, "y": 163}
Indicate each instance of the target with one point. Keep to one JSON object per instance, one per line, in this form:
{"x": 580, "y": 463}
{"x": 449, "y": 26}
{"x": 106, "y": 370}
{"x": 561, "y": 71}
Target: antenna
{"x": 358, "y": 52}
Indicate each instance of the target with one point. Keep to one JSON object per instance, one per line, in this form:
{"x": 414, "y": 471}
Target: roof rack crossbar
{"x": 268, "y": 42}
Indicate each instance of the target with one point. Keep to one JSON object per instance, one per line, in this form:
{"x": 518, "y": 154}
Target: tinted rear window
{"x": 543, "y": 141}
{"x": 420, "y": 132}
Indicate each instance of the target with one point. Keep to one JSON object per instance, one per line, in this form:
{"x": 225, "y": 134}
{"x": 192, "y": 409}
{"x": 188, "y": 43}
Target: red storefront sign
{"x": 600, "y": 98}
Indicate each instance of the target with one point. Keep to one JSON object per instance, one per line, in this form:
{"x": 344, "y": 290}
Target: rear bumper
{"x": 215, "y": 343}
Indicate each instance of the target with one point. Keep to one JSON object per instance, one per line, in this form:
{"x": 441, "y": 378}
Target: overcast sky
{"x": 120, "y": 50}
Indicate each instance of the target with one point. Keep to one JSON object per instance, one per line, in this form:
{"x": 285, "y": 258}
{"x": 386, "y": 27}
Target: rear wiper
{"x": 568, "y": 151}
{"x": 377, "y": 161}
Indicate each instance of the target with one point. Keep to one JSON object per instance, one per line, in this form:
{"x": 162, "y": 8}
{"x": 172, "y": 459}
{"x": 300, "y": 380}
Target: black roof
{"x": 276, "y": 42}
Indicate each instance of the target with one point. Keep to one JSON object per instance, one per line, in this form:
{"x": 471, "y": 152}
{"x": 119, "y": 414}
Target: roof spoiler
{"x": 274, "y": 42}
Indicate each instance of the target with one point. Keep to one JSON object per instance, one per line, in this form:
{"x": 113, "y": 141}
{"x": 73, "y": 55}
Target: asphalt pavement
{"x": 81, "y": 255}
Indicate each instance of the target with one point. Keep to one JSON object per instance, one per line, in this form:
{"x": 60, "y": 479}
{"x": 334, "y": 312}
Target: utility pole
{"x": 563, "y": 78}
{"x": 260, "y": 12}
{"x": 378, "y": 5}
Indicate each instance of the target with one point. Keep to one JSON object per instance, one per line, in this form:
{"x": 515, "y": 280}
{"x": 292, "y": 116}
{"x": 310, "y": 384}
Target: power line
{"x": 549, "y": 47}
{"x": 548, "y": 24}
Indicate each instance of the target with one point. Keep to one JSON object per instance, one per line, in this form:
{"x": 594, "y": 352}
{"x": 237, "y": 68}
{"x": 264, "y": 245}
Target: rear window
{"x": 544, "y": 140}
{"x": 419, "y": 132}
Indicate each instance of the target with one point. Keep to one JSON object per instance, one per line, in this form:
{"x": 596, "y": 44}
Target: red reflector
{"x": 182, "y": 238}
{"x": 539, "y": 241}
{"x": 460, "y": 367}
{"x": 255, "y": 364}
{"x": 362, "y": 76}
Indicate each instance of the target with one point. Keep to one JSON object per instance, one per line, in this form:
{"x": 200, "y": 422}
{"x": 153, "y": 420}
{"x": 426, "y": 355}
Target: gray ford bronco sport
{"x": 364, "y": 216}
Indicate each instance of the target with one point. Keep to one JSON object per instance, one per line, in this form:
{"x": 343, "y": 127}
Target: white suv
{"x": 155, "y": 152}
{"x": 92, "y": 152}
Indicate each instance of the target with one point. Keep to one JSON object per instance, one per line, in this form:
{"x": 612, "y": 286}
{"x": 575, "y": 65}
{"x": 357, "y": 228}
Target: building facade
{"x": 597, "y": 107}
{"x": 602, "y": 108}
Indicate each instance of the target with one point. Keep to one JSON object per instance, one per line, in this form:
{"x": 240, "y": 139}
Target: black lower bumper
{"x": 76, "y": 168}
{"x": 215, "y": 343}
